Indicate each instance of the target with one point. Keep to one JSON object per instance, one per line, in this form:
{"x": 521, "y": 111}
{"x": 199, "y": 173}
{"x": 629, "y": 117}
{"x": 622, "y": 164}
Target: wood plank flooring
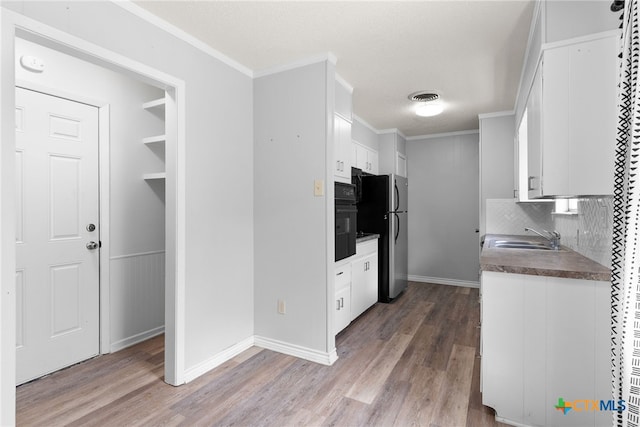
{"x": 409, "y": 363}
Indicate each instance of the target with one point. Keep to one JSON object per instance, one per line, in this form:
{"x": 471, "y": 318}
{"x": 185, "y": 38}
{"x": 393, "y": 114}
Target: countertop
{"x": 564, "y": 263}
{"x": 361, "y": 238}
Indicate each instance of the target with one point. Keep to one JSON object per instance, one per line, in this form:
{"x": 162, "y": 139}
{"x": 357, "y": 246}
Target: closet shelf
{"x": 153, "y": 104}
{"x": 154, "y": 139}
{"x": 151, "y": 176}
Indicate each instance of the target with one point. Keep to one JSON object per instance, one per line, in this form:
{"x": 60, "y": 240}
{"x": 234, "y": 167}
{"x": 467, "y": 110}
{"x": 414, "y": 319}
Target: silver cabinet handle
{"x": 530, "y": 183}
{"x": 92, "y": 245}
{"x": 338, "y": 305}
{"x": 341, "y": 302}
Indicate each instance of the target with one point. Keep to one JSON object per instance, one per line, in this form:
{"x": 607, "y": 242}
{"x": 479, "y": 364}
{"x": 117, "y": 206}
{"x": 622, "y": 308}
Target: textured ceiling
{"x": 471, "y": 52}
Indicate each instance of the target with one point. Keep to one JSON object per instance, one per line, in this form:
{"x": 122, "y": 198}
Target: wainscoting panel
{"x": 137, "y": 298}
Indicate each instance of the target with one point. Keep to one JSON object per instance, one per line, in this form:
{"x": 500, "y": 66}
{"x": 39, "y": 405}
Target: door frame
{"x": 104, "y": 180}
{"x": 14, "y": 25}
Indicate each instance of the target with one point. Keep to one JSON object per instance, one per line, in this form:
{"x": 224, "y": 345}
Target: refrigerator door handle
{"x": 397, "y": 227}
{"x": 395, "y": 186}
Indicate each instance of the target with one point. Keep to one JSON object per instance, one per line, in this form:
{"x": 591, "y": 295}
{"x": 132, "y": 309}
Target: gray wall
{"x": 218, "y": 283}
{"x": 496, "y": 160}
{"x": 363, "y": 134}
{"x": 443, "y": 208}
{"x": 291, "y": 224}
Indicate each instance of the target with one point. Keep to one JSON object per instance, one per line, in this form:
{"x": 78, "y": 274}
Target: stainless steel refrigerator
{"x": 383, "y": 210}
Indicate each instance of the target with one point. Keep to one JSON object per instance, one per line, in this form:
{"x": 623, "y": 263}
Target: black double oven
{"x": 346, "y": 214}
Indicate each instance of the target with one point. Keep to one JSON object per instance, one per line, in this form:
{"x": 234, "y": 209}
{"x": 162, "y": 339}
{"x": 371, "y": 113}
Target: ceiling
{"x": 470, "y": 52}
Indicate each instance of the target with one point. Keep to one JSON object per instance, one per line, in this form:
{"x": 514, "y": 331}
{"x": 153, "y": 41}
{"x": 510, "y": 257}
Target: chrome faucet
{"x": 551, "y": 236}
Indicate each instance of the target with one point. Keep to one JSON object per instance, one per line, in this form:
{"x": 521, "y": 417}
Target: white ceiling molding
{"x": 442, "y": 135}
{"x": 344, "y": 83}
{"x": 144, "y": 14}
{"x": 324, "y": 57}
{"x": 364, "y": 123}
{"x": 496, "y": 114}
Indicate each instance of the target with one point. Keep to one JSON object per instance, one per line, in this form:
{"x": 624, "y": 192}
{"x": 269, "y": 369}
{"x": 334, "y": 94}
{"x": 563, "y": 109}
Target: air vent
{"x": 424, "y": 96}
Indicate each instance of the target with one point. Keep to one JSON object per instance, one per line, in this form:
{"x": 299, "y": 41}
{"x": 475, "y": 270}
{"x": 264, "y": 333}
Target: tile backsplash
{"x": 589, "y": 232}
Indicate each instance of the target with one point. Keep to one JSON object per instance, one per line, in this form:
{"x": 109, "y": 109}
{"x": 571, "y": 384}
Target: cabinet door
{"x": 372, "y": 157}
{"x": 502, "y": 345}
{"x": 364, "y": 284}
{"x": 534, "y": 136}
{"x": 342, "y": 316}
{"x": 342, "y": 148}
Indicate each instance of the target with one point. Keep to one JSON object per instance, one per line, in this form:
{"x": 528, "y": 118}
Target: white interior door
{"x": 57, "y": 285}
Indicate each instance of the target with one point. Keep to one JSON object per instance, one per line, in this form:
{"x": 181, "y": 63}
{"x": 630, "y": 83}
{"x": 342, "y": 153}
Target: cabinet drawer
{"x": 343, "y": 277}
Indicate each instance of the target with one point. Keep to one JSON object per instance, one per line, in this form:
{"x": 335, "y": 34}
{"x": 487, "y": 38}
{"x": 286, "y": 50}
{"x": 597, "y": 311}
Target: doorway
{"x": 132, "y": 208}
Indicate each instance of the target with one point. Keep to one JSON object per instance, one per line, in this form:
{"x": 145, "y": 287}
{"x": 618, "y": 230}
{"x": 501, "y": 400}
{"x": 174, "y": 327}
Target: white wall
{"x": 364, "y": 134}
{"x": 496, "y": 160}
{"x": 136, "y": 209}
{"x": 218, "y": 274}
{"x": 291, "y": 224}
{"x": 443, "y": 208}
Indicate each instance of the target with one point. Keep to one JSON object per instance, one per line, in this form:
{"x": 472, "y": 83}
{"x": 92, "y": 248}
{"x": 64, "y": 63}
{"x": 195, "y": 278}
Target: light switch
{"x": 318, "y": 188}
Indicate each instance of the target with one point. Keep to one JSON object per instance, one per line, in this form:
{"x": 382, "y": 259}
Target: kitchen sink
{"x": 508, "y": 245}
{"x": 521, "y": 244}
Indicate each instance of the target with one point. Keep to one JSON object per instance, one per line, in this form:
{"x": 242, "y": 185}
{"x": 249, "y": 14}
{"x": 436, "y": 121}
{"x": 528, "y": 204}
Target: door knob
{"x": 92, "y": 245}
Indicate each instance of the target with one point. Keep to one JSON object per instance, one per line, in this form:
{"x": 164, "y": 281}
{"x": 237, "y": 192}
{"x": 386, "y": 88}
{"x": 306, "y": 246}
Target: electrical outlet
{"x": 282, "y": 307}
{"x": 318, "y": 188}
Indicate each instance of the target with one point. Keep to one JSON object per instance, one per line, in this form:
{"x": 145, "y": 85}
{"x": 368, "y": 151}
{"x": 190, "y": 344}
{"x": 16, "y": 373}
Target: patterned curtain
{"x": 625, "y": 279}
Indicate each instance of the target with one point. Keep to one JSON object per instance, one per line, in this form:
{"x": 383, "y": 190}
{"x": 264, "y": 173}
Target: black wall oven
{"x": 346, "y": 214}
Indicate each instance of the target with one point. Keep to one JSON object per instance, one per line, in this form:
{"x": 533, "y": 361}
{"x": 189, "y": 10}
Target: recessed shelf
{"x": 150, "y": 176}
{"x": 153, "y": 104}
{"x": 154, "y": 139}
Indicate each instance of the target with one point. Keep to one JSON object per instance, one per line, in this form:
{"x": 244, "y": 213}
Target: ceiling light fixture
{"x": 429, "y": 103}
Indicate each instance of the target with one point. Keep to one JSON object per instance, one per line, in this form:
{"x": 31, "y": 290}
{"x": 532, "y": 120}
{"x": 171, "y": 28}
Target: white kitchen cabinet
{"x": 544, "y": 338}
{"x": 364, "y": 278}
{"x": 364, "y": 158}
{"x": 342, "y": 316}
{"x": 342, "y": 148}
{"x": 571, "y": 118}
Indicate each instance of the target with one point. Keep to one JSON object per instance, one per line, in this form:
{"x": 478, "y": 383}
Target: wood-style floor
{"x": 410, "y": 363}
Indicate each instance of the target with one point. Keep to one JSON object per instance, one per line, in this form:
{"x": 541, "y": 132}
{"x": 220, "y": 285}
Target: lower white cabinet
{"x": 342, "y": 307}
{"x": 544, "y": 338}
{"x": 356, "y": 284}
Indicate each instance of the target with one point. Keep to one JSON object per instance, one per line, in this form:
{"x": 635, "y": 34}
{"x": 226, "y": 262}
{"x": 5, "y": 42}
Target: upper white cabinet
{"x": 364, "y": 158}
{"x": 342, "y": 131}
{"x": 571, "y": 119}
{"x": 342, "y": 148}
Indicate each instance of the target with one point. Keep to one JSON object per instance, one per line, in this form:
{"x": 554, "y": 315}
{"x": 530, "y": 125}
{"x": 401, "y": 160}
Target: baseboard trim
{"x": 297, "y": 351}
{"x": 217, "y": 360}
{"x": 135, "y": 339}
{"x": 442, "y": 281}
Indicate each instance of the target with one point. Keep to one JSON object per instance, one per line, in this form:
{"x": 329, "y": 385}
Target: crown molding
{"x": 324, "y": 57}
{"x": 145, "y": 15}
{"x": 443, "y": 135}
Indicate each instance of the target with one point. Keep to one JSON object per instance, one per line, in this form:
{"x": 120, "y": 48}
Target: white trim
{"x": 329, "y": 57}
{"x": 443, "y": 281}
{"x": 496, "y": 114}
{"x": 137, "y": 338}
{"x": 581, "y": 39}
{"x": 104, "y": 168}
{"x": 393, "y": 130}
{"x": 344, "y": 83}
{"x": 79, "y": 98}
{"x": 137, "y": 254}
{"x": 537, "y": 14}
{"x": 156, "y": 21}
{"x": 217, "y": 360}
{"x": 444, "y": 135}
{"x": 297, "y": 351}
{"x": 365, "y": 124}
